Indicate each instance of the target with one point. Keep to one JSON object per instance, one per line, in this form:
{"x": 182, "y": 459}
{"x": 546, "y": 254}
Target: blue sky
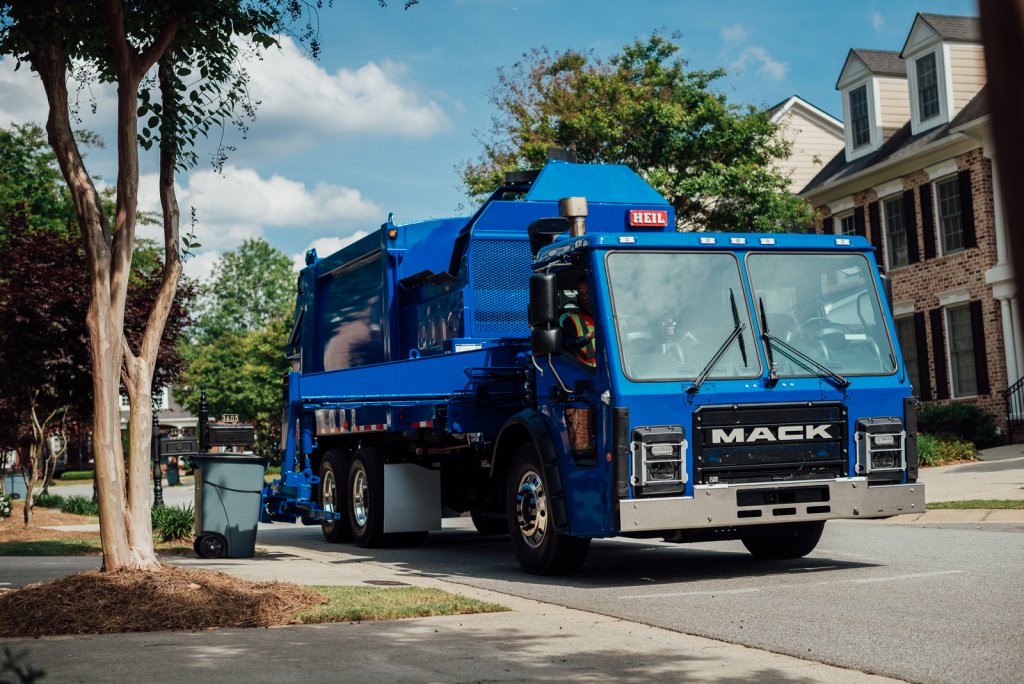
{"x": 380, "y": 123}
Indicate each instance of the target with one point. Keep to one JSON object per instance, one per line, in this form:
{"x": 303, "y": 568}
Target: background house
{"x": 915, "y": 176}
{"x": 815, "y": 135}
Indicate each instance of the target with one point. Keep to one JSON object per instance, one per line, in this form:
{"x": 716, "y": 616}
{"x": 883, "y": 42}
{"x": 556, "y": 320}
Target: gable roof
{"x": 825, "y": 119}
{"x": 878, "y": 62}
{"x": 948, "y": 28}
{"x": 900, "y": 144}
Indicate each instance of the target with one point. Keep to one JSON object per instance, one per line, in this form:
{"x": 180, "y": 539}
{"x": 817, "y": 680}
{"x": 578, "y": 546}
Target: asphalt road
{"x": 916, "y": 602}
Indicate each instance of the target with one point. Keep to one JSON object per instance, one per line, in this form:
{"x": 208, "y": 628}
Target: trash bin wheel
{"x": 210, "y": 545}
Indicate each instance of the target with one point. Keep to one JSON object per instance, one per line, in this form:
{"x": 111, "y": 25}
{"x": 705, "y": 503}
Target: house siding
{"x": 967, "y": 65}
{"x": 812, "y": 144}
{"x": 894, "y": 95}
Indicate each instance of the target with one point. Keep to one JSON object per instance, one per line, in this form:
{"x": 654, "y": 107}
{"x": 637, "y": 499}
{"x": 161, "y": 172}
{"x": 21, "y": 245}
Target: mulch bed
{"x": 168, "y": 598}
{"x": 13, "y": 529}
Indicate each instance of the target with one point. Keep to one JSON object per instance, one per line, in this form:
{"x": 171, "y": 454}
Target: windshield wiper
{"x": 794, "y": 353}
{"x": 695, "y": 387}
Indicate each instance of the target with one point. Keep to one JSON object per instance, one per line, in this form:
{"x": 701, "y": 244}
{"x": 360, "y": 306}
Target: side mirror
{"x": 544, "y": 341}
{"x": 543, "y": 299}
{"x": 543, "y": 232}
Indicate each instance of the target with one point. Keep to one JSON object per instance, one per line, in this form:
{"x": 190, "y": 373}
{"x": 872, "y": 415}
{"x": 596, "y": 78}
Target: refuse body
{"x": 227, "y": 503}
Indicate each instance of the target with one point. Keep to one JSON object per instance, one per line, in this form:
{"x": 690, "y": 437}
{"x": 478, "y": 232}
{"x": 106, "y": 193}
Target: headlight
{"x": 659, "y": 460}
{"x": 881, "y": 445}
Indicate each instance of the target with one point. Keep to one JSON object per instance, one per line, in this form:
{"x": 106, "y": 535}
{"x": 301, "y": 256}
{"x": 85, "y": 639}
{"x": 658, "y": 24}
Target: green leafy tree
{"x": 235, "y": 351}
{"x": 251, "y": 285}
{"x": 710, "y": 158}
{"x": 31, "y": 187}
{"x": 177, "y": 66}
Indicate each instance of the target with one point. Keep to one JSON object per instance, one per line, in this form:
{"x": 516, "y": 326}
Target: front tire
{"x": 539, "y": 547}
{"x": 333, "y": 479}
{"x": 779, "y": 542}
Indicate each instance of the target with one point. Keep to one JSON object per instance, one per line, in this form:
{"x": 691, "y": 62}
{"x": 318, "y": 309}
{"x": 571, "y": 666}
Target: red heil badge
{"x": 647, "y": 218}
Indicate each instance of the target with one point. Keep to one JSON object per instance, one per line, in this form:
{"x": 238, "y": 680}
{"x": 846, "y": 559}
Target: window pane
{"x": 895, "y": 234}
{"x": 961, "y": 351}
{"x": 859, "y": 116}
{"x": 908, "y": 344}
{"x": 927, "y": 87}
{"x": 847, "y": 226}
{"x": 948, "y": 194}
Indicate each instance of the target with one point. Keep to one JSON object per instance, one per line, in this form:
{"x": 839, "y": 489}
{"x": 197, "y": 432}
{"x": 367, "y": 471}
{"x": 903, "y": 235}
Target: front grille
{"x": 769, "y": 443}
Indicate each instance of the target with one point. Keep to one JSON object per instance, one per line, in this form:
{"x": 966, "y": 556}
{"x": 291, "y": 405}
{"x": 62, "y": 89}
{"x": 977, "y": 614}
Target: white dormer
{"x": 874, "y": 89}
{"x": 945, "y": 65}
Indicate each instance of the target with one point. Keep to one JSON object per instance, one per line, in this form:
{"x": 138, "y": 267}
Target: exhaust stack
{"x": 574, "y": 209}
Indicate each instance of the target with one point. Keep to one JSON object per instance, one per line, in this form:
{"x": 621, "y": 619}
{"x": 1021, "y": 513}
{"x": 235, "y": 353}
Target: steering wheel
{"x": 823, "y": 335}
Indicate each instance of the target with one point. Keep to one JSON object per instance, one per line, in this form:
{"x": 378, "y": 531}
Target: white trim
{"x": 827, "y": 121}
{"x": 888, "y": 188}
{"x": 870, "y": 86}
{"x": 943, "y": 168}
{"x": 944, "y": 84}
{"x": 947, "y": 71}
{"x": 840, "y": 205}
{"x": 903, "y": 308}
{"x": 953, "y": 297}
{"x": 949, "y": 347}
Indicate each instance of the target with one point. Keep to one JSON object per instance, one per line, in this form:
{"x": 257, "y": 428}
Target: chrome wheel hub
{"x": 532, "y": 509}
{"x": 360, "y": 496}
{"x": 329, "y": 487}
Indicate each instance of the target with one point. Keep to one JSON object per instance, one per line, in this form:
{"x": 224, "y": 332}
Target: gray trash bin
{"x": 14, "y": 486}
{"x": 228, "y": 490}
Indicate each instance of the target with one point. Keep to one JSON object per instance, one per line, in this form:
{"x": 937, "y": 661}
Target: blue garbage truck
{"x": 564, "y": 365}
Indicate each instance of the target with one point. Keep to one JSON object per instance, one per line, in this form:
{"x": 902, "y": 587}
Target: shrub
{"x": 5, "y": 506}
{"x": 173, "y": 522}
{"x": 965, "y": 422}
{"x": 936, "y": 451}
{"x": 48, "y": 501}
{"x": 76, "y": 475}
{"x": 80, "y": 505}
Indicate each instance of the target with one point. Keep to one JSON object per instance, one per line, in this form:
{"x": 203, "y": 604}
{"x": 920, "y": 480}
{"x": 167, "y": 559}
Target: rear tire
{"x": 539, "y": 547}
{"x": 333, "y": 479}
{"x": 364, "y": 495}
{"x": 779, "y": 542}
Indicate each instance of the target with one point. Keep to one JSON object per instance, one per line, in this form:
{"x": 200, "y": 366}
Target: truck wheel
{"x": 365, "y": 497}
{"x": 333, "y": 478}
{"x": 538, "y": 546}
{"x": 776, "y": 542}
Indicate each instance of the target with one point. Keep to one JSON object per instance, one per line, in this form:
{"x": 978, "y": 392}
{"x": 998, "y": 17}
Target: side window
{"x": 895, "y": 233}
{"x": 961, "y": 351}
{"x": 947, "y": 200}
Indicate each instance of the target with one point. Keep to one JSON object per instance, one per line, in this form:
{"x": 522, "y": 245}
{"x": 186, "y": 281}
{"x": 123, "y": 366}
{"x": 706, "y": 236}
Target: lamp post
{"x": 158, "y": 490}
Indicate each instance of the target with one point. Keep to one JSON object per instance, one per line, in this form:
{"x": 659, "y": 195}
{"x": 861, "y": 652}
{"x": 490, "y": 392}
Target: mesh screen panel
{"x": 501, "y": 272}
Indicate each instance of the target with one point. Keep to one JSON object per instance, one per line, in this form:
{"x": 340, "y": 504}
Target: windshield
{"x": 827, "y": 307}
{"x": 673, "y": 312}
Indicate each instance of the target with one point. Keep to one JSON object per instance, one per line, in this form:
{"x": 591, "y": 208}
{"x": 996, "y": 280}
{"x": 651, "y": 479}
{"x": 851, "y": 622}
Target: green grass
{"x": 357, "y": 603}
{"x": 978, "y": 503}
{"x": 76, "y": 475}
{"x": 51, "y": 547}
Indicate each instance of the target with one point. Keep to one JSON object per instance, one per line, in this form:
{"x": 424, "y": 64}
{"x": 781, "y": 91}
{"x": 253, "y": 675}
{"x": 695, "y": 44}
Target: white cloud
{"x": 23, "y": 100}
{"x": 734, "y": 34}
{"x": 294, "y": 90}
{"x": 201, "y": 265}
{"x": 325, "y": 246}
{"x": 877, "y": 21}
{"x": 769, "y": 67}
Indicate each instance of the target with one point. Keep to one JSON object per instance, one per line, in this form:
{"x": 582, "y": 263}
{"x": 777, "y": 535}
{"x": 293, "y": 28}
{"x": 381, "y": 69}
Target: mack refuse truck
{"x": 564, "y": 365}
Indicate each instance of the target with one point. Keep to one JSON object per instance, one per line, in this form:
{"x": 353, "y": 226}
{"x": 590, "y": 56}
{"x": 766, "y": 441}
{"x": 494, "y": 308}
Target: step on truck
{"x": 564, "y": 365}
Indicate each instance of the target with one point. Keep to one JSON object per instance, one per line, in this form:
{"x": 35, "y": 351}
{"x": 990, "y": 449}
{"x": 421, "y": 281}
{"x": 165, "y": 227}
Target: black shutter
{"x": 980, "y": 359}
{"x": 910, "y": 225}
{"x": 874, "y": 215}
{"x": 927, "y": 222}
{"x": 828, "y": 225}
{"x": 924, "y": 392}
{"x": 939, "y": 355}
{"x": 967, "y": 210}
{"x": 858, "y": 222}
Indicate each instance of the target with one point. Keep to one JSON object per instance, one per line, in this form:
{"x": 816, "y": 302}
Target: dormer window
{"x": 859, "y": 116}
{"x": 927, "y": 87}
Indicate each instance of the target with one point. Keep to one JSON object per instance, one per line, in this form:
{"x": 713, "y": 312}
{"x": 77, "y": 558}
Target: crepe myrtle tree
{"x": 177, "y": 71}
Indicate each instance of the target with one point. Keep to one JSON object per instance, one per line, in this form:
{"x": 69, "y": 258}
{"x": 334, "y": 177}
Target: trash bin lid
{"x": 229, "y": 457}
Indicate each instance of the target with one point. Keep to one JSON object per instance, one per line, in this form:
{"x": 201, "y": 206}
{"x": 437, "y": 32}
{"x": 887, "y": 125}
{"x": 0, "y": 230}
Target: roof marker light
{"x": 627, "y": 240}
{"x": 707, "y": 241}
{"x": 767, "y": 241}
{"x": 842, "y": 241}
{"x": 737, "y": 241}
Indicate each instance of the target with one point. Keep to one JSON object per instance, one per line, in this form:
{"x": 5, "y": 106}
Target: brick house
{"x": 916, "y": 177}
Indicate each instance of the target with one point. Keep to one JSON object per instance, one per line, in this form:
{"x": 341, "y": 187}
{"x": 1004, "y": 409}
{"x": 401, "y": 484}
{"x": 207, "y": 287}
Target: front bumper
{"x": 713, "y": 506}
